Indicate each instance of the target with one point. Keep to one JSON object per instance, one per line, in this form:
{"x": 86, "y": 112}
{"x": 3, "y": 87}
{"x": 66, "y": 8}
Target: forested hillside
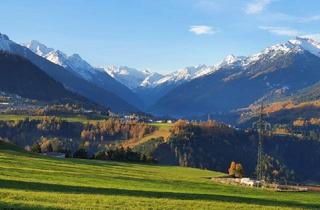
{"x": 208, "y": 145}
{"x": 214, "y": 146}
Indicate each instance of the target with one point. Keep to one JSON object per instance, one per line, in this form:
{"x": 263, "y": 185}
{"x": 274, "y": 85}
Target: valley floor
{"x": 29, "y": 181}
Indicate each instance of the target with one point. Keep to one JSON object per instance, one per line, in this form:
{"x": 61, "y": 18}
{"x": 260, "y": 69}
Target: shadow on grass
{"x": 44, "y": 187}
{"x": 10, "y": 206}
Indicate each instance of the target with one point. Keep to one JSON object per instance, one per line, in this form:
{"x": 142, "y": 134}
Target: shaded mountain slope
{"x": 69, "y": 79}
{"x": 20, "y": 76}
{"x": 236, "y": 87}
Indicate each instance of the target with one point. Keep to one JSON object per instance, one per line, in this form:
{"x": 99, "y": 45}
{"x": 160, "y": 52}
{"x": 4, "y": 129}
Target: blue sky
{"x": 160, "y": 35}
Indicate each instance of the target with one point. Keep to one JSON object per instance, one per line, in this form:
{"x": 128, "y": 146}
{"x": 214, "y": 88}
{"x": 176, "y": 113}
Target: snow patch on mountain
{"x": 228, "y": 60}
{"x": 38, "y": 48}
{"x": 296, "y": 45}
{"x": 186, "y": 74}
{"x": 133, "y": 78}
{"x": 73, "y": 62}
{"x": 130, "y": 77}
{"x": 77, "y": 62}
{"x": 204, "y": 71}
{"x": 307, "y": 44}
{"x": 269, "y": 53}
{"x": 56, "y": 57}
{"x": 182, "y": 74}
{"x": 151, "y": 79}
{"x": 5, "y": 42}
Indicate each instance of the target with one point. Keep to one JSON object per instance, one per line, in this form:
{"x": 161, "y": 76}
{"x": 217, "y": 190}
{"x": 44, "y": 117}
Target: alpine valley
{"x": 229, "y": 91}
{"x": 162, "y": 105}
{"x": 232, "y": 90}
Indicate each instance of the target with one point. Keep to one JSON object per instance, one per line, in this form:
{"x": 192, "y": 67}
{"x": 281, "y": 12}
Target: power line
{"x": 262, "y": 127}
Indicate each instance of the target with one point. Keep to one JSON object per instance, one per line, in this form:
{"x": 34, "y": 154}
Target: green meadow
{"x": 5, "y": 117}
{"x": 30, "y": 181}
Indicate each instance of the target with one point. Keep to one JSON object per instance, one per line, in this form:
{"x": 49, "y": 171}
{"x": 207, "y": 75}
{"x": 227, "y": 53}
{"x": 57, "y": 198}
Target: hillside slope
{"x": 302, "y": 104}
{"x": 82, "y": 68}
{"x": 19, "y": 76}
{"x": 70, "y": 80}
{"x": 273, "y": 75}
{"x": 29, "y": 181}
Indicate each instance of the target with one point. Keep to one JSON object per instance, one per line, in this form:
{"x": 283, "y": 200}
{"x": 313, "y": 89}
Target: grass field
{"x": 30, "y": 181}
{"x": 162, "y": 130}
{"x": 161, "y": 125}
{"x": 81, "y": 119}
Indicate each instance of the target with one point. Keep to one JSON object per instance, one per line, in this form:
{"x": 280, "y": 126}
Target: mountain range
{"x": 68, "y": 78}
{"x": 276, "y": 73}
{"x": 75, "y": 64}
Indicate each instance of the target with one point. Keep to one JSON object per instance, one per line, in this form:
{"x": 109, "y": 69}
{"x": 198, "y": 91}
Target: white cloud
{"x": 257, "y": 6}
{"x": 282, "y": 31}
{"x": 202, "y": 30}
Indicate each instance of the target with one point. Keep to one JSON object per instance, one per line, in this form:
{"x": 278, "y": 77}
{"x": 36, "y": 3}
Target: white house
{"x": 250, "y": 182}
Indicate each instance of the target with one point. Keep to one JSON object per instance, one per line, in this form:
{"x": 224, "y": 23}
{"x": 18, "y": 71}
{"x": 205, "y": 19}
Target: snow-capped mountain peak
{"x": 124, "y": 70}
{"x": 4, "y": 37}
{"x": 134, "y": 78}
{"x": 130, "y": 77}
{"x": 228, "y": 60}
{"x": 182, "y": 74}
{"x": 268, "y": 53}
{"x": 73, "y": 62}
{"x": 38, "y": 48}
{"x": 56, "y": 57}
{"x": 5, "y": 42}
{"x": 186, "y": 74}
{"x": 76, "y": 61}
{"x": 151, "y": 79}
{"x": 231, "y": 61}
{"x": 307, "y": 44}
{"x": 205, "y": 70}
{"x": 295, "y": 45}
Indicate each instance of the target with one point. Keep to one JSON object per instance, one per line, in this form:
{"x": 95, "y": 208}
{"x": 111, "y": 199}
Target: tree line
{"x": 52, "y": 134}
{"x": 212, "y": 145}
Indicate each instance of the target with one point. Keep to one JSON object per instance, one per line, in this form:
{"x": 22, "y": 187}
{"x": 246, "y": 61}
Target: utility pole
{"x": 262, "y": 126}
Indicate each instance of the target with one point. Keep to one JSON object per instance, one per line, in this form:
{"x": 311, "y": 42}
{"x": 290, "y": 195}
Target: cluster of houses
{"x": 10, "y": 102}
{"x": 138, "y": 118}
{"x": 239, "y": 181}
{"x": 249, "y": 182}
